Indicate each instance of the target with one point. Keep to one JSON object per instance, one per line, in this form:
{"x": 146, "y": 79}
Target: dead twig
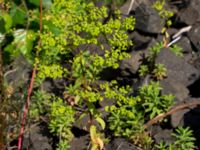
{"x": 178, "y": 35}
{"x": 130, "y": 6}
{"x": 172, "y": 111}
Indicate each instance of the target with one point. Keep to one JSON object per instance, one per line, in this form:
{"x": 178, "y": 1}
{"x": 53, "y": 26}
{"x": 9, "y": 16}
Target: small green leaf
{"x": 8, "y": 21}
{"x": 101, "y": 122}
{"x": 18, "y": 15}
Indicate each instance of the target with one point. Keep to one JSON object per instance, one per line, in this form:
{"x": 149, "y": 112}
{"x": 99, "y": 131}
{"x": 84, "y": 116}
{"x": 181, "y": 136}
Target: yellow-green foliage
{"x": 71, "y": 25}
{"x": 71, "y": 29}
{"x": 53, "y": 71}
{"x": 61, "y": 118}
{"x": 129, "y": 113}
{"x": 159, "y": 6}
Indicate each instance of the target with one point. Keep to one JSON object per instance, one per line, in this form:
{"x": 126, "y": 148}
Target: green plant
{"x": 129, "y": 114}
{"x": 152, "y": 101}
{"x": 159, "y": 6}
{"x": 61, "y": 118}
{"x": 154, "y": 51}
{"x": 143, "y": 70}
{"x": 149, "y": 66}
{"x": 156, "y": 70}
{"x": 19, "y": 26}
{"x": 183, "y": 140}
{"x": 40, "y": 104}
{"x": 63, "y": 145}
{"x": 142, "y": 140}
{"x": 159, "y": 72}
{"x": 87, "y": 40}
{"x": 177, "y": 50}
{"x": 163, "y": 146}
{"x": 84, "y": 37}
{"x": 125, "y": 119}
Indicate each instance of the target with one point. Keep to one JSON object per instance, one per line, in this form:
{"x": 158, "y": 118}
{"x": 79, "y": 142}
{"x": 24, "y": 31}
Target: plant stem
{"x": 26, "y": 109}
{"x": 29, "y": 89}
{"x": 172, "y": 111}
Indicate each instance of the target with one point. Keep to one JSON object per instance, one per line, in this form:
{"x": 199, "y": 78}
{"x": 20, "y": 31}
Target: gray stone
{"x": 130, "y": 66}
{"x": 178, "y": 70}
{"x": 177, "y": 118}
{"x": 141, "y": 42}
{"x": 19, "y": 74}
{"x": 126, "y": 5}
{"x": 80, "y": 143}
{"x": 148, "y": 19}
{"x": 188, "y": 16}
{"x": 197, "y": 63}
{"x": 180, "y": 74}
{"x": 194, "y": 36}
{"x": 179, "y": 90}
{"x": 189, "y": 12}
{"x": 121, "y": 144}
{"x": 195, "y": 4}
{"x": 185, "y": 44}
{"x": 37, "y": 139}
{"x": 164, "y": 135}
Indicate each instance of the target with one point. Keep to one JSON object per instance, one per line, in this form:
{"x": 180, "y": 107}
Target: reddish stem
{"x": 172, "y": 111}
{"x": 26, "y": 110}
{"x": 29, "y": 89}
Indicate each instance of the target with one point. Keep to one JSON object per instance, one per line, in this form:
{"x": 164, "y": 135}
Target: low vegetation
{"x": 76, "y": 41}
